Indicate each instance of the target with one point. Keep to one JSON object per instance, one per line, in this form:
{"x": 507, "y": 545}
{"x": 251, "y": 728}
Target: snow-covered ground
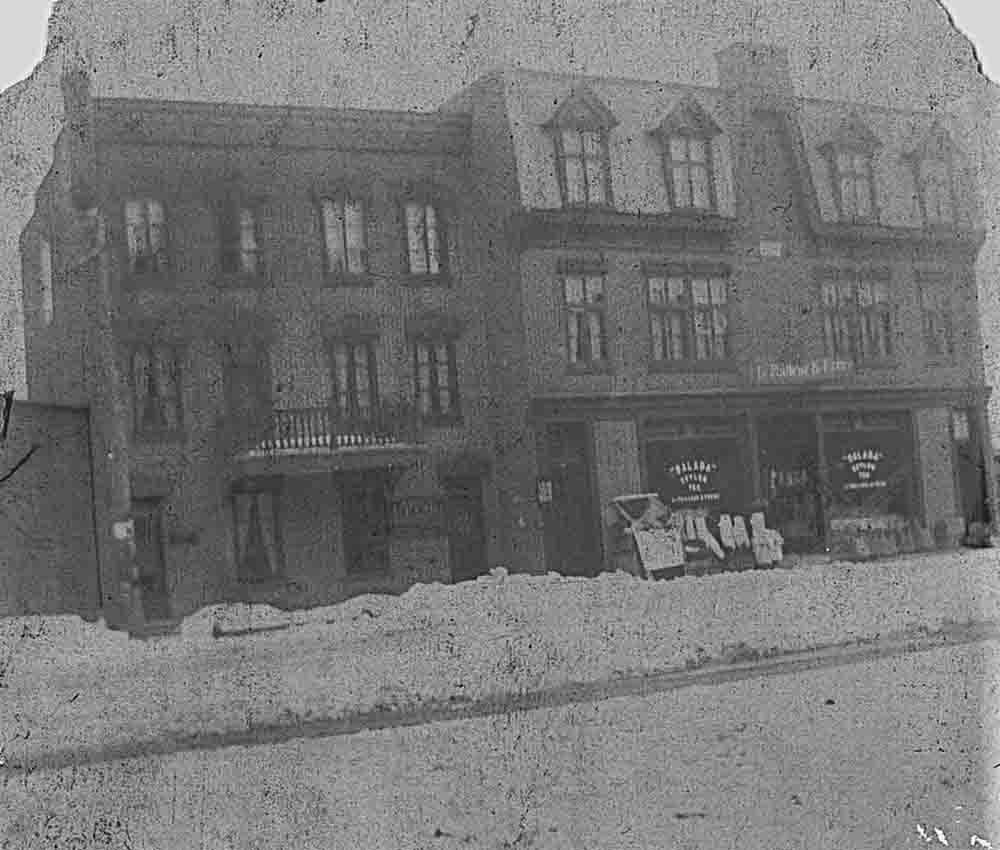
{"x": 66, "y": 684}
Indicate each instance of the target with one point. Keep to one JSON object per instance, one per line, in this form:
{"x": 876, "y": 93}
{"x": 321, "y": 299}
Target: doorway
{"x": 571, "y": 526}
{"x": 147, "y": 520}
{"x": 466, "y": 528}
{"x": 970, "y": 460}
{"x": 366, "y": 516}
{"x": 789, "y": 480}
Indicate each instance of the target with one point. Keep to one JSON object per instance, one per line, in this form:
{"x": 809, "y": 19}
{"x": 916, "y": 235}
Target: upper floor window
{"x": 580, "y": 129}
{"x": 938, "y": 318}
{"x": 435, "y": 367}
{"x": 240, "y": 240}
{"x": 344, "y": 235}
{"x": 146, "y": 231}
{"x": 689, "y": 316}
{"x": 936, "y": 191}
{"x": 851, "y": 155}
{"x": 583, "y": 294}
{"x": 933, "y": 159}
{"x": 426, "y": 250}
{"x": 45, "y": 281}
{"x": 685, "y": 137}
{"x": 156, "y": 389}
{"x": 857, "y": 319}
{"x": 355, "y": 379}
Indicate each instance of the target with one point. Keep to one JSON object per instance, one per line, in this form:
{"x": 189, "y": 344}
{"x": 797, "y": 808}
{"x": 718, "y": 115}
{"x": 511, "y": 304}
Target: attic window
{"x": 685, "y": 137}
{"x": 580, "y": 129}
{"x": 851, "y": 154}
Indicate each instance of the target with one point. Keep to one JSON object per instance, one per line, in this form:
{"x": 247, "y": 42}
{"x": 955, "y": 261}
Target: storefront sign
{"x": 780, "y": 372}
{"x": 863, "y": 465}
{"x": 698, "y": 481}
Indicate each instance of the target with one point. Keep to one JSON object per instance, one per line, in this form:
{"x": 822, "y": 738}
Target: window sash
{"x": 146, "y": 235}
{"x": 436, "y": 376}
{"x": 584, "y": 165}
{"x": 344, "y": 226}
{"x": 689, "y": 317}
{"x": 939, "y": 322}
{"x": 688, "y": 161}
{"x": 855, "y": 177}
{"x": 857, "y": 320}
{"x": 586, "y": 336}
{"x": 355, "y": 380}
{"x": 423, "y": 239}
{"x": 937, "y": 190}
{"x": 156, "y": 386}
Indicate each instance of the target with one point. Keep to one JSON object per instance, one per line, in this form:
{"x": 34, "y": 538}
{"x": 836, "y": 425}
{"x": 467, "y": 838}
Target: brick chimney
{"x": 759, "y": 71}
{"x": 78, "y": 133}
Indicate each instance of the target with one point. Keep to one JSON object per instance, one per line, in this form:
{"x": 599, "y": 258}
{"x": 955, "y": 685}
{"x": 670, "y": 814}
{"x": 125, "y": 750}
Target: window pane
{"x": 863, "y": 197}
{"x": 718, "y": 291}
{"x": 697, "y": 149}
{"x": 575, "y": 190}
{"x": 574, "y": 323}
{"x": 699, "y": 187}
{"x": 596, "y": 328}
{"x": 682, "y": 186}
{"x": 677, "y": 291}
{"x": 45, "y": 280}
{"x": 721, "y": 333}
{"x": 333, "y": 229}
{"x": 595, "y": 182}
{"x": 433, "y": 252}
{"x": 341, "y": 377}
{"x": 592, "y": 147}
{"x": 573, "y": 287}
{"x": 702, "y": 335}
{"x": 699, "y": 290}
{"x": 678, "y": 149}
{"x": 354, "y": 235}
{"x": 678, "y": 345}
{"x": 571, "y": 143}
{"x": 848, "y": 204}
{"x": 595, "y": 290}
{"x": 844, "y": 162}
{"x": 658, "y": 331}
{"x": 657, "y": 291}
{"x": 415, "y": 238}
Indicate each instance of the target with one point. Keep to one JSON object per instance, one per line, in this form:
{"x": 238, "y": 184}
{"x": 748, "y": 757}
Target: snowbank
{"x": 68, "y": 684}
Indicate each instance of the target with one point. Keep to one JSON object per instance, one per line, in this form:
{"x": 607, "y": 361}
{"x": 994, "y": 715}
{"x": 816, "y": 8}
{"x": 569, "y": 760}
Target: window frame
{"x": 345, "y": 276}
{"x": 944, "y": 308}
{"x": 148, "y": 276}
{"x": 919, "y": 165}
{"x": 229, "y": 216}
{"x": 584, "y": 271}
{"x": 668, "y": 164}
{"x": 689, "y": 313}
{"x": 432, "y": 342}
{"x": 443, "y": 239}
{"x": 835, "y": 152}
{"x": 46, "y": 280}
{"x": 353, "y": 416}
{"x": 604, "y": 157}
{"x": 150, "y": 347}
{"x": 867, "y": 324}
{"x": 255, "y": 490}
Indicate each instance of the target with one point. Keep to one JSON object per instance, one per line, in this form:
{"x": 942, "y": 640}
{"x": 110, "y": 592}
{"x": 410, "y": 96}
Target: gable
{"x": 583, "y": 110}
{"x": 688, "y": 116}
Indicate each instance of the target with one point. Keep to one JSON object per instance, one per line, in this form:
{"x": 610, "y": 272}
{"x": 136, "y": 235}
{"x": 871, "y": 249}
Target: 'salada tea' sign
{"x": 780, "y": 372}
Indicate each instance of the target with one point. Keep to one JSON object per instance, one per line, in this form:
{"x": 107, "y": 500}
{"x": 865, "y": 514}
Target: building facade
{"x": 337, "y": 351}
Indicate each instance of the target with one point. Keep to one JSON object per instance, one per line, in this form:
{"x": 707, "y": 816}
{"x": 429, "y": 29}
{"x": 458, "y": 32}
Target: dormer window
{"x": 851, "y": 155}
{"x": 685, "y": 138}
{"x": 932, "y": 168}
{"x": 580, "y": 130}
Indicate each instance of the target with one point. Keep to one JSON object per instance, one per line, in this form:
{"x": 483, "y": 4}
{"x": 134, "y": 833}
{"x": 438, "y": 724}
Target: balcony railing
{"x": 318, "y": 430}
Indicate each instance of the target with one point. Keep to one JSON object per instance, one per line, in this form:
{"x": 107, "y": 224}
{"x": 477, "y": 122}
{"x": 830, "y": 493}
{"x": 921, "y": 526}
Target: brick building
{"x": 333, "y": 351}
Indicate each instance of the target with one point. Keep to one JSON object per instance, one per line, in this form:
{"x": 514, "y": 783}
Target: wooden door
{"x": 149, "y": 556}
{"x": 571, "y": 521}
{"x": 466, "y": 528}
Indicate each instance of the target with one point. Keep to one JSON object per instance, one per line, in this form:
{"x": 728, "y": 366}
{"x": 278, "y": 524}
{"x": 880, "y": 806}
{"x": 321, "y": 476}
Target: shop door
{"x": 466, "y": 529}
{"x": 148, "y": 528}
{"x": 366, "y": 523}
{"x": 789, "y": 478}
{"x": 571, "y": 527}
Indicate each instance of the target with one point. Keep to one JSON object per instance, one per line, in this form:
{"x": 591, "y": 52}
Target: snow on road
{"x": 856, "y": 757}
{"x": 67, "y": 684}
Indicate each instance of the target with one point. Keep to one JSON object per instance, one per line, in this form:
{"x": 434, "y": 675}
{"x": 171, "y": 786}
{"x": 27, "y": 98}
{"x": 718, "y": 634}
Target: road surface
{"x": 896, "y": 752}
